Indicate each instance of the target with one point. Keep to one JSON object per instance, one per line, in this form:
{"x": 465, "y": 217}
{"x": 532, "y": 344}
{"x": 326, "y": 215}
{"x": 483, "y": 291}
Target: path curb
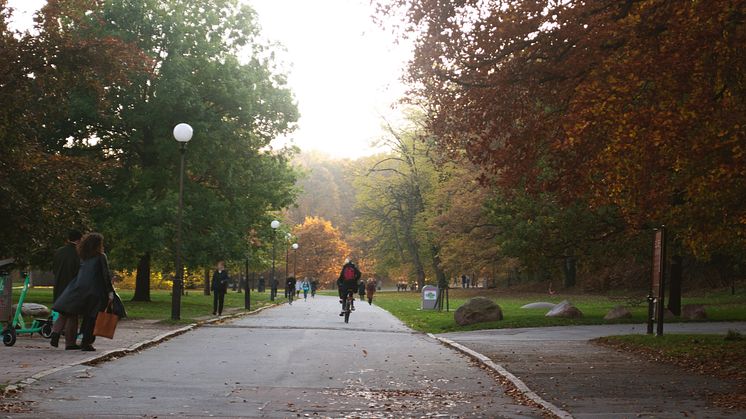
{"x": 118, "y": 353}
{"x": 520, "y": 385}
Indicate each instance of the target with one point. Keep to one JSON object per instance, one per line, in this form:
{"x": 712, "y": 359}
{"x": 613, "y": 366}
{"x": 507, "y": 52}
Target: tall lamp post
{"x": 288, "y": 236}
{"x": 295, "y": 260}
{"x": 287, "y": 253}
{"x": 182, "y": 134}
{"x": 247, "y": 287}
{"x": 272, "y": 281}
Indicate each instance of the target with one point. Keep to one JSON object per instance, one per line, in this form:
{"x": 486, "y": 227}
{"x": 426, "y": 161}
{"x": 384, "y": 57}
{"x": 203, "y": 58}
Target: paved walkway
{"x": 274, "y": 364}
{"x": 587, "y": 380}
{"x": 32, "y": 355}
{"x": 289, "y": 361}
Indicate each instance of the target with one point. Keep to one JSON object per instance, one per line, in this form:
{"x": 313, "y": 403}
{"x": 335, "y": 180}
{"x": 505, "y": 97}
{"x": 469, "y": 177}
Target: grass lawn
{"x": 720, "y": 306}
{"x": 193, "y": 305}
{"x": 704, "y": 354}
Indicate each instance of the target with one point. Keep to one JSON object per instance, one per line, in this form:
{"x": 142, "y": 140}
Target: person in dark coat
{"x": 65, "y": 265}
{"x": 90, "y": 292}
{"x": 260, "y": 287}
{"x": 370, "y": 289}
{"x": 361, "y": 289}
{"x": 290, "y": 285}
{"x": 220, "y": 280}
{"x": 347, "y": 282}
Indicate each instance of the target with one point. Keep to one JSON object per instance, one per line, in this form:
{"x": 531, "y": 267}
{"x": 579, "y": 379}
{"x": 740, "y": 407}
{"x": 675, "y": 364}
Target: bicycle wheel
{"x": 347, "y": 316}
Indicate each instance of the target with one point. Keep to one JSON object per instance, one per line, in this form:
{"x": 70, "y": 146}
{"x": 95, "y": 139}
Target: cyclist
{"x": 290, "y": 285}
{"x": 347, "y": 283}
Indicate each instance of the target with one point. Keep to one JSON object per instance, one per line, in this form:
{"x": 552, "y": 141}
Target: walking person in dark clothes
{"x": 89, "y": 292}
{"x": 361, "y": 289}
{"x": 220, "y": 280}
{"x": 370, "y": 289}
{"x": 290, "y": 284}
{"x": 65, "y": 265}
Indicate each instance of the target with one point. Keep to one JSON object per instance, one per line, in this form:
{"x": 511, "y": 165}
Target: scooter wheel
{"x": 9, "y": 337}
{"x": 46, "y": 330}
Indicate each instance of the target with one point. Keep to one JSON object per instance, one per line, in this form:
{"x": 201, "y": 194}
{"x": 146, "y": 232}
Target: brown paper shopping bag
{"x": 106, "y": 323}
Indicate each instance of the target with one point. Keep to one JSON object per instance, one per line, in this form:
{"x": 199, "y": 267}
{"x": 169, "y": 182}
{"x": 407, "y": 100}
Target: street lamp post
{"x": 295, "y": 260}
{"x": 247, "y": 288}
{"x": 273, "y": 282}
{"x": 182, "y": 134}
{"x": 287, "y": 253}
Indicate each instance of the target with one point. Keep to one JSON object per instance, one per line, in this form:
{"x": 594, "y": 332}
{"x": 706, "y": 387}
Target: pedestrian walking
{"x": 220, "y": 280}
{"x": 90, "y": 292}
{"x": 290, "y": 285}
{"x": 65, "y": 265}
{"x": 361, "y": 289}
{"x": 370, "y": 289}
{"x": 314, "y": 287}
{"x": 298, "y": 288}
{"x": 273, "y": 284}
{"x": 305, "y": 286}
{"x": 463, "y": 281}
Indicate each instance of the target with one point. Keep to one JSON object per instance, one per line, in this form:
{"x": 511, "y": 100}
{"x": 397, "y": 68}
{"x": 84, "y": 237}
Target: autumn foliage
{"x": 54, "y": 89}
{"x": 322, "y": 251}
{"x": 637, "y": 104}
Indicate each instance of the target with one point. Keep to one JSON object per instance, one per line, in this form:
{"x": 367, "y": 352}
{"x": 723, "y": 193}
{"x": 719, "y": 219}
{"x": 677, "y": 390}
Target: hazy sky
{"x": 343, "y": 69}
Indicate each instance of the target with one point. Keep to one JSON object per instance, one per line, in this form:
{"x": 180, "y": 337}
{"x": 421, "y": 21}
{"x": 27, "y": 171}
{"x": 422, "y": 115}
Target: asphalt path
{"x": 587, "y": 380}
{"x": 290, "y": 361}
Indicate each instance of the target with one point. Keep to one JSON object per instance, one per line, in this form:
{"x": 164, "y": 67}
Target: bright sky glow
{"x": 343, "y": 69}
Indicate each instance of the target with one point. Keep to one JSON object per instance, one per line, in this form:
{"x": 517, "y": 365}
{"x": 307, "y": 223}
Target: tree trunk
{"x": 440, "y": 275}
{"x": 207, "y": 281}
{"x": 414, "y": 253}
{"x": 142, "y": 279}
{"x": 570, "y": 271}
{"x": 674, "y": 287}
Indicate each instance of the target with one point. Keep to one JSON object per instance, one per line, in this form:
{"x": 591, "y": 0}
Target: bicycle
{"x": 290, "y": 297}
{"x": 347, "y": 305}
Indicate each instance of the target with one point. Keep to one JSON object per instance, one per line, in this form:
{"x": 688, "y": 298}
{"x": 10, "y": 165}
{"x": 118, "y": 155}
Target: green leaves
{"x": 115, "y": 77}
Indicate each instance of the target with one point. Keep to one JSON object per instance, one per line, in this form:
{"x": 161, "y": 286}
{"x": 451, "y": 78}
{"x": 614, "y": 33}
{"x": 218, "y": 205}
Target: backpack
{"x": 348, "y": 273}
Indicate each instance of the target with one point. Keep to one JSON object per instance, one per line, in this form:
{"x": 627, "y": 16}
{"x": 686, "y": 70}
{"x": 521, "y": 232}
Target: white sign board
{"x": 429, "y": 297}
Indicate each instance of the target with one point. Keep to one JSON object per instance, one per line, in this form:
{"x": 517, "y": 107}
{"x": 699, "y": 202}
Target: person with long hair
{"x": 90, "y": 292}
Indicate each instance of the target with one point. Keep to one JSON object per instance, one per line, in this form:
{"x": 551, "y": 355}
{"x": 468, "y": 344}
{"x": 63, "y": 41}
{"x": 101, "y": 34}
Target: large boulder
{"x": 478, "y": 310}
{"x": 540, "y": 304}
{"x": 33, "y": 310}
{"x": 618, "y": 312}
{"x": 565, "y": 309}
{"x": 693, "y": 312}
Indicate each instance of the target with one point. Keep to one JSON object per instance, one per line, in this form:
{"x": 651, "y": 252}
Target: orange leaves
{"x": 639, "y": 105}
{"x": 321, "y": 250}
